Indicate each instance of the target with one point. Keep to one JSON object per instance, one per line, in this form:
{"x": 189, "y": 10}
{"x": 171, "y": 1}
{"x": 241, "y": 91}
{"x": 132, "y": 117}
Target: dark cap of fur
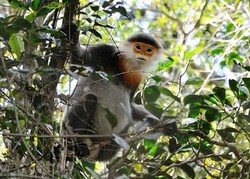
{"x": 144, "y": 38}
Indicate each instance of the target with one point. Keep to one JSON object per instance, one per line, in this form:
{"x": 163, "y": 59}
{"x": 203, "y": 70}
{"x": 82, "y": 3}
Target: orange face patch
{"x": 142, "y": 49}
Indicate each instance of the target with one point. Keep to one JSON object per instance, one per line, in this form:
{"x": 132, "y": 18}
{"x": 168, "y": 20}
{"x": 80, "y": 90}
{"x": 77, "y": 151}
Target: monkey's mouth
{"x": 142, "y": 59}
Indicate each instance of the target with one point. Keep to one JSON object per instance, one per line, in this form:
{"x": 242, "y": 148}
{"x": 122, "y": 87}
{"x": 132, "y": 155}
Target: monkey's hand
{"x": 168, "y": 127}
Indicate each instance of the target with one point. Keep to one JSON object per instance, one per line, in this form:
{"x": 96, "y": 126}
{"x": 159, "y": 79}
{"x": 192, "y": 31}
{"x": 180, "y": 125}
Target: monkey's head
{"x": 141, "y": 51}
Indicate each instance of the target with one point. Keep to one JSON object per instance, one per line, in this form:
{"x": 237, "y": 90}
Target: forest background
{"x": 202, "y": 83}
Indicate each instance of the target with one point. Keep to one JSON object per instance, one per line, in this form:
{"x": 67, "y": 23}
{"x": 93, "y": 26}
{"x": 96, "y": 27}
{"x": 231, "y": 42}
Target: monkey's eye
{"x": 149, "y": 50}
{"x": 138, "y": 47}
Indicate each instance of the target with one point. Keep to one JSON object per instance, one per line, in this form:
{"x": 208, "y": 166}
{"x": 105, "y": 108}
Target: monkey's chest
{"x": 130, "y": 74}
{"x": 113, "y": 110}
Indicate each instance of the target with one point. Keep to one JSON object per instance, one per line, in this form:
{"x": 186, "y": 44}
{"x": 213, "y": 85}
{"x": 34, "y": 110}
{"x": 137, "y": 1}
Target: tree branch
{"x": 231, "y": 147}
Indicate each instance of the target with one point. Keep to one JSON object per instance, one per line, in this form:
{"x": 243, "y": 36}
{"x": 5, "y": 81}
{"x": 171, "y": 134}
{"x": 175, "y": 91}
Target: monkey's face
{"x": 139, "y": 55}
{"x": 143, "y": 52}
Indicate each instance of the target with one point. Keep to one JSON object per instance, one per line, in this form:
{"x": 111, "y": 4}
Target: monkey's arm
{"x": 100, "y": 56}
{"x": 140, "y": 113}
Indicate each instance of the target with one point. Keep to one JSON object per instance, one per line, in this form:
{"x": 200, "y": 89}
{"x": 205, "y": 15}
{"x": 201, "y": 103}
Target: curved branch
{"x": 231, "y": 147}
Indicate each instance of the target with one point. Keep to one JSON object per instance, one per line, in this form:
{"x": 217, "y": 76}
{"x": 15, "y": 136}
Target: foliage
{"x": 203, "y": 83}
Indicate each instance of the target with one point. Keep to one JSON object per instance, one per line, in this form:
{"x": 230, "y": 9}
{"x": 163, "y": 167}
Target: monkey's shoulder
{"x": 101, "y": 47}
{"x": 103, "y": 51}
{"x": 102, "y": 56}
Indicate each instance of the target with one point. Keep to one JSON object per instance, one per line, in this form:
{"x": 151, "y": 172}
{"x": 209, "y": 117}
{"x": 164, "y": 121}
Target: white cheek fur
{"x": 126, "y": 48}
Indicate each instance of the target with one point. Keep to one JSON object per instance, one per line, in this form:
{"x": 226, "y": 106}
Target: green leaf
{"x": 188, "y": 170}
{"x": 173, "y": 145}
{"x": 119, "y": 9}
{"x": 97, "y": 17}
{"x": 52, "y": 32}
{"x": 95, "y": 32}
{"x": 34, "y": 4}
{"x": 243, "y": 91}
{"x": 153, "y": 151}
{"x": 233, "y": 84}
{"x": 190, "y": 99}
{"x": 15, "y": 4}
{"x": 220, "y": 94}
{"x": 190, "y": 53}
{"x": 43, "y": 11}
{"x": 106, "y": 4}
{"x": 148, "y": 144}
{"x": 235, "y": 56}
{"x": 48, "y": 8}
{"x": 246, "y": 68}
{"x": 230, "y": 129}
{"x": 151, "y": 93}
{"x": 165, "y": 64}
{"x": 212, "y": 114}
{"x": 247, "y": 83}
{"x": 21, "y": 148}
{"x": 205, "y": 147}
{"x": 167, "y": 92}
{"x": 247, "y": 128}
{"x": 225, "y": 135}
{"x": 30, "y": 16}
{"x": 211, "y": 98}
{"x": 217, "y": 51}
{"x": 194, "y": 81}
{"x": 22, "y": 123}
{"x": 25, "y": 24}
{"x": 230, "y": 27}
{"x": 223, "y": 63}
{"x": 154, "y": 109}
{"x": 55, "y": 5}
{"x": 16, "y": 43}
{"x": 44, "y": 118}
{"x": 194, "y": 110}
{"x": 86, "y": 5}
{"x": 103, "y": 25}
{"x": 204, "y": 126}
{"x": 88, "y": 164}
{"x": 94, "y": 8}
{"x": 157, "y": 78}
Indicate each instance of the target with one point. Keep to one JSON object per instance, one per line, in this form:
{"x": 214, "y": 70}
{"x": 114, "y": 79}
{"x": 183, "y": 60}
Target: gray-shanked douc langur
{"x": 102, "y": 102}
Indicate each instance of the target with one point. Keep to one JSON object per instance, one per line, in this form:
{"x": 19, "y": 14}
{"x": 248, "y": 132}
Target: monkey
{"x": 102, "y": 102}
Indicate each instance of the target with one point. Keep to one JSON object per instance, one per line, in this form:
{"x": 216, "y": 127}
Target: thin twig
{"x": 17, "y": 120}
{"x": 219, "y": 143}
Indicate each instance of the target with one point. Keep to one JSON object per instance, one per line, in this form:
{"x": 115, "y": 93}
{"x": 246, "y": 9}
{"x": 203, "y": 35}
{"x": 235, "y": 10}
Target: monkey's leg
{"x": 81, "y": 114}
{"x": 80, "y": 122}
